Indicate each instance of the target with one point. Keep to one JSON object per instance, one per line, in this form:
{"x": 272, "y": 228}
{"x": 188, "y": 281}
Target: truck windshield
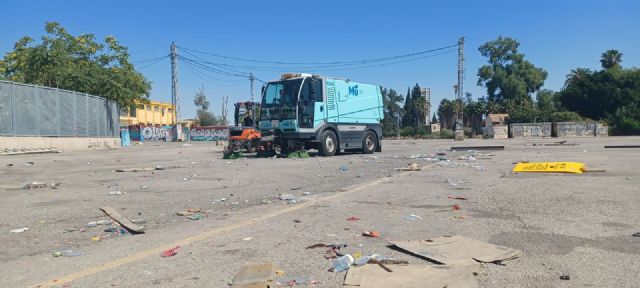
{"x": 280, "y": 100}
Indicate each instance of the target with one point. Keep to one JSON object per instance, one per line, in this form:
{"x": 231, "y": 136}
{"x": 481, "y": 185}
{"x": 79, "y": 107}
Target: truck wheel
{"x": 369, "y": 143}
{"x": 328, "y": 143}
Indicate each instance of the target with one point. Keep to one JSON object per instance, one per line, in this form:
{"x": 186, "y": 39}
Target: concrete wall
{"x": 60, "y": 143}
{"x": 530, "y": 129}
{"x": 580, "y": 129}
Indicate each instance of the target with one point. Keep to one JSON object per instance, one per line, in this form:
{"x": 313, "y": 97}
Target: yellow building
{"x": 151, "y": 113}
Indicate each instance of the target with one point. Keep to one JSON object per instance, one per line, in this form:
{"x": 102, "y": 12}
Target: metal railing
{"x": 30, "y": 110}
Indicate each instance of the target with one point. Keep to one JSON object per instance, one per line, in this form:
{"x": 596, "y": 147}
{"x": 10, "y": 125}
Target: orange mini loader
{"x": 243, "y": 134}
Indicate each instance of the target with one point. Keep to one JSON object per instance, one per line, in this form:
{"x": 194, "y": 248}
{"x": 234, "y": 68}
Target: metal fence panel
{"x": 67, "y": 114}
{"x": 6, "y": 111}
{"x": 29, "y": 110}
{"x": 48, "y": 108}
{"x": 26, "y": 110}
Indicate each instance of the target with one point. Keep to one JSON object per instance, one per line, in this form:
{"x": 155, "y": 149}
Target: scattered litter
{"x": 296, "y": 188}
{"x": 342, "y": 263}
{"x": 196, "y": 217}
{"x": 95, "y": 238}
{"x": 300, "y": 280}
{"x": 67, "y": 253}
{"x": 411, "y": 276}
{"x": 298, "y": 154}
{"x": 116, "y": 192}
{"x": 458, "y": 250}
{"x": 296, "y": 221}
{"x": 467, "y": 148}
{"x": 410, "y": 167}
{"x": 353, "y": 218}
{"x": 344, "y": 168}
{"x": 456, "y": 184}
{"x": 255, "y": 276}
{"x": 456, "y": 207}
{"x": 457, "y": 217}
{"x": 19, "y": 230}
{"x": 170, "y": 252}
{"x": 10, "y": 165}
{"x": 247, "y": 239}
{"x": 139, "y": 221}
{"x": 101, "y": 222}
{"x": 122, "y": 220}
{"x": 286, "y": 197}
{"x": 149, "y": 168}
{"x": 413, "y": 217}
{"x": 189, "y": 212}
{"x": 565, "y": 277}
{"x": 36, "y": 185}
{"x": 372, "y": 234}
{"x": 306, "y": 193}
{"x": 457, "y": 197}
{"x": 187, "y": 145}
{"x": 637, "y": 234}
{"x": 29, "y": 163}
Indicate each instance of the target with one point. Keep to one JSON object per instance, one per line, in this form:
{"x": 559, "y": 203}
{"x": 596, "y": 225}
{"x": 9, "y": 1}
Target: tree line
{"x": 514, "y": 86}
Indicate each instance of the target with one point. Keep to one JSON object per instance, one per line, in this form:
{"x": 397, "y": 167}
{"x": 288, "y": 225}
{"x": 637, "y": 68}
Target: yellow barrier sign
{"x": 550, "y": 167}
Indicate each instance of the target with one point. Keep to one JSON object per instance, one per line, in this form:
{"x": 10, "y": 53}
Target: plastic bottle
{"x": 343, "y": 263}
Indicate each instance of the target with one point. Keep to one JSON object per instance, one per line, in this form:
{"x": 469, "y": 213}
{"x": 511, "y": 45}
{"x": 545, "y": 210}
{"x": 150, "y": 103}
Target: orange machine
{"x": 243, "y": 134}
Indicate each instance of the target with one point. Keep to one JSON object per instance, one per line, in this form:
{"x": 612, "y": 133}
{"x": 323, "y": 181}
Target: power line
{"x": 148, "y": 49}
{"x": 205, "y": 77}
{"x": 364, "y": 61}
{"x": 212, "y": 69}
{"x": 152, "y": 63}
{"x": 204, "y": 72}
{"x": 150, "y": 59}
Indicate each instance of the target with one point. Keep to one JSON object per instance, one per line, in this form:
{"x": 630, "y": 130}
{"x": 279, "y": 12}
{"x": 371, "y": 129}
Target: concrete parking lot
{"x": 579, "y": 225}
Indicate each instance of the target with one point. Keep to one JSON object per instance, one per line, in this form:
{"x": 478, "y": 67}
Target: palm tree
{"x": 575, "y": 75}
{"x": 610, "y": 59}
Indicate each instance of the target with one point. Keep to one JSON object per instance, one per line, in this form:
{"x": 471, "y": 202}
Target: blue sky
{"x": 555, "y": 35}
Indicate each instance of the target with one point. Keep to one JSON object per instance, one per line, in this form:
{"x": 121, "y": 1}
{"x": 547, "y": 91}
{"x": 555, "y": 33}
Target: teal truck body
{"x": 328, "y": 114}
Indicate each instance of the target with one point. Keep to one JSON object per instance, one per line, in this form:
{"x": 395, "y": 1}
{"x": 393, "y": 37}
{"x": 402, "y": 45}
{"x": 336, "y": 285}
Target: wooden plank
{"x": 622, "y": 146}
{"x": 134, "y": 228}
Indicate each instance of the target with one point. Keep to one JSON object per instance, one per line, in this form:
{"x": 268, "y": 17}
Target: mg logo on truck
{"x": 353, "y": 90}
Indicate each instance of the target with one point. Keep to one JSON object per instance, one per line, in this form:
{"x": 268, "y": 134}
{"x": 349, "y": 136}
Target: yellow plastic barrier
{"x": 550, "y": 167}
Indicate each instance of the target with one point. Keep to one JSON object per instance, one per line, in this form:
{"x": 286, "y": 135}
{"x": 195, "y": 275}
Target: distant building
{"x": 435, "y": 127}
{"x": 426, "y": 93}
{"x": 152, "y": 113}
{"x": 495, "y": 126}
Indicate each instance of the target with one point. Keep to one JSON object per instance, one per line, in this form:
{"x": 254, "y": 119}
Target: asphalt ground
{"x": 575, "y": 225}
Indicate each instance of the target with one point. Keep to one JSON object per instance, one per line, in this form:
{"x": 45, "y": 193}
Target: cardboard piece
{"x": 411, "y": 276}
{"x": 255, "y": 276}
{"x": 458, "y": 250}
{"x": 125, "y": 222}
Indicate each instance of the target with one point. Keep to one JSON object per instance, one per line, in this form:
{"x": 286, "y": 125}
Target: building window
{"x": 156, "y": 108}
{"x": 124, "y": 112}
{"x": 132, "y": 110}
{"x": 148, "y": 107}
{"x": 162, "y": 112}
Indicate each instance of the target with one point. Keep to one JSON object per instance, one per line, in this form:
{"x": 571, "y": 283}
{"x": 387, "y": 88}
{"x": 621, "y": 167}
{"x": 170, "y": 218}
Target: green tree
{"x": 446, "y": 113}
{"x": 434, "y": 120}
{"x": 473, "y": 112}
{"x": 204, "y": 117}
{"x": 611, "y": 95}
{"x": 509, "y": 79}
{"x": 77, "y": 63}
{"x": 392, "y": 110}
{"x": 610, "y": 59}
{"x": 408, "y": 110}
{"x": 545, "y": 105}
{"x": 576, "y": 75}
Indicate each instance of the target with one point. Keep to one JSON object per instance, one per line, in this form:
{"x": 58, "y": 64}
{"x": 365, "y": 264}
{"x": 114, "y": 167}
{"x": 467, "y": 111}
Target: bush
{"x": 566, "y": 116}
{"x": 447, "y": 134}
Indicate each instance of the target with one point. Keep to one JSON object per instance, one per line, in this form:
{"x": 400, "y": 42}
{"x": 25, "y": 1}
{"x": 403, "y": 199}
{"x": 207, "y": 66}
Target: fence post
{"x": 13, "y": 108}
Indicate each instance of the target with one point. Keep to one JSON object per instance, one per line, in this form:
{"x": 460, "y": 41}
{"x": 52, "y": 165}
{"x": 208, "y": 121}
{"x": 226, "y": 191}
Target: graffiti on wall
{"x": 581, "y": 129}
{"x": 208, "y": 133}
{"x": 530, "y": 130}
{"x": 134, "y": 133}
{"x": 153, "y": 133}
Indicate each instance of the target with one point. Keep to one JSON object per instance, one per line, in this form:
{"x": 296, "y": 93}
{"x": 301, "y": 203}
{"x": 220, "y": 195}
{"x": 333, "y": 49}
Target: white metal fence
{"x": 30, "y": 110}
